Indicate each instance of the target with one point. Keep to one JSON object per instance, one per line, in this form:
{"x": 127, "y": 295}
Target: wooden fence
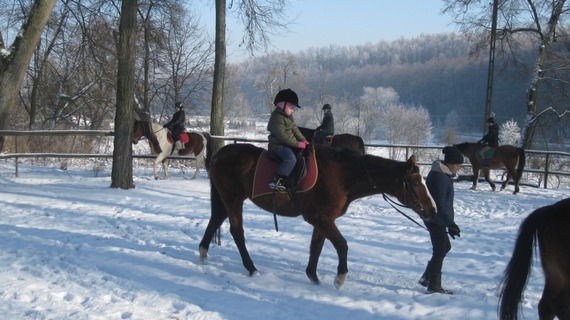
{"x": 552, "y": 163}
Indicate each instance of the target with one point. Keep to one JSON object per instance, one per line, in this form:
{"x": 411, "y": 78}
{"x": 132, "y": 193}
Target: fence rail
{"x": 545, "y": 156}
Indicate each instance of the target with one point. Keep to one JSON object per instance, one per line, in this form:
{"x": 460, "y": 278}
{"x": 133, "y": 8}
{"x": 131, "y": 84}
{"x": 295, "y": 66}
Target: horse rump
{"x": 548, "y": 227}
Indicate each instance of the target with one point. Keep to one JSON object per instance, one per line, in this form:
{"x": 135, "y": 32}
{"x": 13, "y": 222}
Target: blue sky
{"x": 351, "y": 22}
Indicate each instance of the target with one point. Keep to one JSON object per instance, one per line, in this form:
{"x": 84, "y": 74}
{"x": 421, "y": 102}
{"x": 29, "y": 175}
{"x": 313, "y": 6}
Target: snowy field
{"x": 73, "y": 248}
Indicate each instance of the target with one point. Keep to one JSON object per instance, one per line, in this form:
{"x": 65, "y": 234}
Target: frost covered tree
{"x": 510, "y": 133}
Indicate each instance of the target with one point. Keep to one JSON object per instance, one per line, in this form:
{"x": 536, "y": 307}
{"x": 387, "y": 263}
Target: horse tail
{"x": 519, "y": 267}
{"x": 207, "y": 142}
{"x": 522, "y": 161}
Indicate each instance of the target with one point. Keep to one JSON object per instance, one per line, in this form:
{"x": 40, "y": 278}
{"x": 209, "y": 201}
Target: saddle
{"x": 304, "y": 175}
{"x": 184, "y": 138}
{"x": 486, "y": 155}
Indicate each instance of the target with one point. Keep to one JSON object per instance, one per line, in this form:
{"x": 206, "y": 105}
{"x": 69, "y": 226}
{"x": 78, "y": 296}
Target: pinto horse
{"x": 506, "y": 156}
{"x": 197, "y": 145}
{"x": 339, "y": 141}
{"x": 343, "y": 176}
{"x": 548, "y": 226}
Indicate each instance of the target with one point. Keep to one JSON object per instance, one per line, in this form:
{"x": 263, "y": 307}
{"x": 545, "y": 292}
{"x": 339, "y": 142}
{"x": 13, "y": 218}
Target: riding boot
{"x": 424, "y": 279}
{"x": 278, "y": 183}
{"x": 434, "y": 283}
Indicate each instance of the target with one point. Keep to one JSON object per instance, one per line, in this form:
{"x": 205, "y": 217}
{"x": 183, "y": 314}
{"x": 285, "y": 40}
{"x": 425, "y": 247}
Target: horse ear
{"x": 411, "y": 164}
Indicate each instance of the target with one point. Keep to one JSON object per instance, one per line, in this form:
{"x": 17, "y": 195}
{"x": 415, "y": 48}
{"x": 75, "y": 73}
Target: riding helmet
{"x": 327, "y": 106}
{"x": 491, "y": 120}
{"x": 287, "y": 95}
{"x": 178, "y": 104}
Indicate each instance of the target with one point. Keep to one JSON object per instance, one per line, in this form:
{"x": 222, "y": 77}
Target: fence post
{"x": 546, "y": 165}
{"x": 16, "y": 158}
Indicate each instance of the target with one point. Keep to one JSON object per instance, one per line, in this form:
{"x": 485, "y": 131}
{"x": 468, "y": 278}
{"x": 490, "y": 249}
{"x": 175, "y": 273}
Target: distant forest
{"x": 438, "y": 72}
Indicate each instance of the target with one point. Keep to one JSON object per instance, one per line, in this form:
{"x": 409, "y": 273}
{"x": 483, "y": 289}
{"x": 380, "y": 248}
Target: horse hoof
{"x": 473, "y": 188}
{"x": 339, "y": 281}
{"x": 314, "y": 280}
{"x": 253, "y": 273}
{"x": 203, "y": 253}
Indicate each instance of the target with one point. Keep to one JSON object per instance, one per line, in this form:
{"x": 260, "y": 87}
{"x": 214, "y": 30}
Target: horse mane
{"x": 149, "y": 133}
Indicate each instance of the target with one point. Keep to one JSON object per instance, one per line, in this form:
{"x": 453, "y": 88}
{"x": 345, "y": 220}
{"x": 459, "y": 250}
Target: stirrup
{"x": 277, "y": 184}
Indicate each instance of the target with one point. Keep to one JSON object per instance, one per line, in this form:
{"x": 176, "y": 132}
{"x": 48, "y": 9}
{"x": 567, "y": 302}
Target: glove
{"x": 302, "y": 144}
{"x": 164, "y": 126}
{"x": 453, "y": 230}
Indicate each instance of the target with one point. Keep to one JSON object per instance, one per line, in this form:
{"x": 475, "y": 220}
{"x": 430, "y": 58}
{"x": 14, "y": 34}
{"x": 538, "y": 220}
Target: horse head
{"x": 416, "y": 195}
{"x": 137, "y": 132}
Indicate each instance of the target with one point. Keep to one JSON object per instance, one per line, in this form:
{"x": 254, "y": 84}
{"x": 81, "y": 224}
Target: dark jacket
{"x": 283, "y": 130}
{"x": 440, "y": 186}
{"x": 328, "y": 123}
{"x": 492, "y": 137}
{"x": 177, "y": 121}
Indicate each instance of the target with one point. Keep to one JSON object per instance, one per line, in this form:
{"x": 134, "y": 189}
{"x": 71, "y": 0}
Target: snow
{"x": 74, "y": 248}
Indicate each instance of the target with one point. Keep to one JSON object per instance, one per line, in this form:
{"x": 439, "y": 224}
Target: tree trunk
{"x": 217, "y": 112}
{"x": 532, "y": 94}
{"x": 13, "y": 67}
{"x": 122, "y": 172}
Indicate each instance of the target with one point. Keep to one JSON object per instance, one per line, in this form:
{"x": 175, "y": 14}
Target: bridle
{"x": 409, "y": 189}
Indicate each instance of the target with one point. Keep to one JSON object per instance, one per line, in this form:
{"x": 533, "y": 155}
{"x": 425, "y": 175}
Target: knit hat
{"x": 452, "y": 155}
{"x": 287, "y": 95}
{"x": 327, "y": 107}
{"x": 491, "y": 120}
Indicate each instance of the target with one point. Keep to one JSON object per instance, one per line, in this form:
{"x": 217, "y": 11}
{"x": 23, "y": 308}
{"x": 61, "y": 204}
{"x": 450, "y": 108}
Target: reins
{"x": 392, "y": 202}
{"x": 388, "y": 199}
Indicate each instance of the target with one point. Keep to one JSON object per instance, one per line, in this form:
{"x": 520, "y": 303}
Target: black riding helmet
{"x": 287, "y": 95}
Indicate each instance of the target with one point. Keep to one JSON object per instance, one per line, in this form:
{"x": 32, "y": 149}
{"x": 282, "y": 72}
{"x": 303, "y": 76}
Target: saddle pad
{"x": 184, "y": 138}
{"x": 266, "y": 168}
{"x": 487, "y": 154}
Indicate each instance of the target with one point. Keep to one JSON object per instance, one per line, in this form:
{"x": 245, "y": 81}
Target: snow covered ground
{"x": 73, "y": 248}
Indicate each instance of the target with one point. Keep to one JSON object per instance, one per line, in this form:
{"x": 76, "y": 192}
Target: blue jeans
{"x": 289, "y": 160}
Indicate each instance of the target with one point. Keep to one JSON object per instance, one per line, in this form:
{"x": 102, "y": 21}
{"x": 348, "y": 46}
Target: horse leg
{"x": 545, "y": 310}
{"x": 510, "y": 175}
{"x": 475, "y": 177}
{"x": 317, "y": 242}
{"x": 213, "y": 225}
{"x": 165, "y": 168}
{"x": 199, "y": 162}
{"x": 486, "y": 172}
{"x": 330, "y": 231}
{"x": 236, "y": 229}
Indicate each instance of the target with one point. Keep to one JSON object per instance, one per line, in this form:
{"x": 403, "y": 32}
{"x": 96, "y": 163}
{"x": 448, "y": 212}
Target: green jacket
{"x": 283, "y": 130}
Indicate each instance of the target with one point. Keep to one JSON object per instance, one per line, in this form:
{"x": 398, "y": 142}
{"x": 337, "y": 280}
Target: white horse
{"x": 198, "y": 144}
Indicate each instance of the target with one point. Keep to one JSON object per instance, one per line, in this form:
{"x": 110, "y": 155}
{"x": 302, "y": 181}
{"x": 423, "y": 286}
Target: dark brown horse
{"x": 197, "y": 145}
{"x": 343, "y": 176}
{"x": 549, "y": 226}
{"x": 339, "y": 141}
{"x": 505, "y": 156}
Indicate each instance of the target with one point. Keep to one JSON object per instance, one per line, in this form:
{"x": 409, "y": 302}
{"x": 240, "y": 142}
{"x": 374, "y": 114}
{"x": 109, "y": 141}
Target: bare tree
{"x": 260, "y": 18}
{"x": 13, "y": 63}
{"x": 122, "y": 172}
{"x": 537, "y": 19}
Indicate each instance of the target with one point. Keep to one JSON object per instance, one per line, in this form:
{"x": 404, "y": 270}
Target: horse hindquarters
{"x": 518, "y": 269}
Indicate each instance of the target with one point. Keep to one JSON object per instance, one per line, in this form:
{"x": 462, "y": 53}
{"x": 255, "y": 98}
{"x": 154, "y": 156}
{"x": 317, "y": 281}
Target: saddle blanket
{"x": 266, "y": 168}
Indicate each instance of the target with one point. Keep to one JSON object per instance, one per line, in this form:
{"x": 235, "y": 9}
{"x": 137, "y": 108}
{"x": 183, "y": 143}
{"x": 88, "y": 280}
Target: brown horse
{"x": 339, "y": 141}
{"x": 197, "y": 145}
{"x": 549, "y": 227}
{"x": 505, "y": 156}
{"x": 343, "y": 176}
